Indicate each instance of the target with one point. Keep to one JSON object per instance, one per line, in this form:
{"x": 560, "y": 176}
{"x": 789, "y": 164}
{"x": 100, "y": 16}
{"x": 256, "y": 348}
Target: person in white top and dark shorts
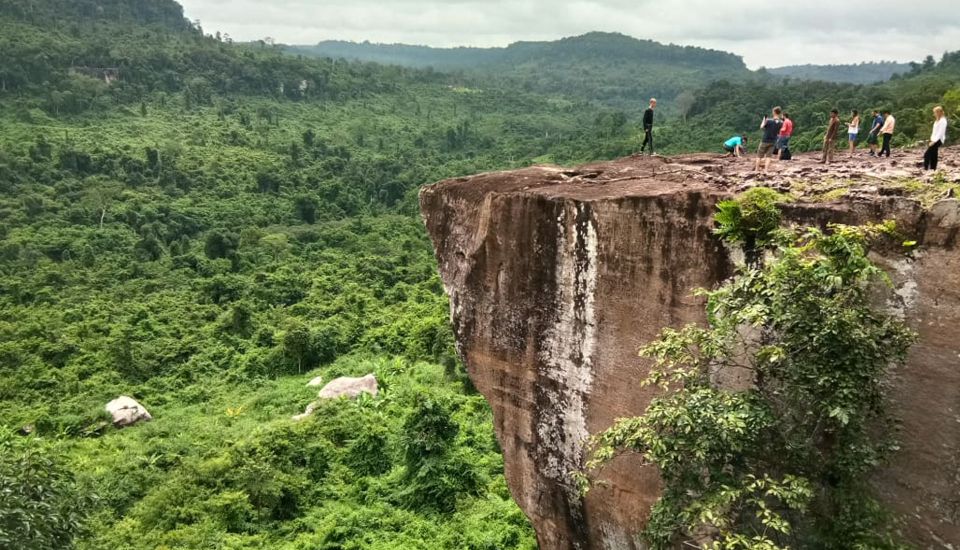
{"x": 937, "y": 138}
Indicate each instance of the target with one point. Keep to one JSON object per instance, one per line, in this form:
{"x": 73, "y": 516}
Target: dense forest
{"x": 607, "y": 67}
{"x": 862, "y": 73}
{"x": 206, "y": 226}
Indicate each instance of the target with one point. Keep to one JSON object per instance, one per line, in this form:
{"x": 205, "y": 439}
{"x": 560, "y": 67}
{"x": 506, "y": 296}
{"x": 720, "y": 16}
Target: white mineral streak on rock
{"x": 904, "y": 298}
{"x": 568, "y": 348}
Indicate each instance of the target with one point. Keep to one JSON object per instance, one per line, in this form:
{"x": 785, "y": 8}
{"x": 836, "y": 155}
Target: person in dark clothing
{"x": 771, "y": 131}
{"x": 830, "y": 139}
{"x": 872, "y": 137}
{"x": 648, "y": 126}
{"x": 939, "y": 135}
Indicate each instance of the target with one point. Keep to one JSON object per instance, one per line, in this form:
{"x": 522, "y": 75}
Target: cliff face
{"x": 556, "y": 278}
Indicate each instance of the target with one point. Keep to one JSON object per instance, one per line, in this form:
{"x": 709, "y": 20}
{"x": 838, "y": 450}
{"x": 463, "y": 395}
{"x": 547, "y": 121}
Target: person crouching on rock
{"x": 771, "y": 131}
{"x": 735, "y": 146}
{"x": 939, "y": 135}
{"x": 830, "y": 139}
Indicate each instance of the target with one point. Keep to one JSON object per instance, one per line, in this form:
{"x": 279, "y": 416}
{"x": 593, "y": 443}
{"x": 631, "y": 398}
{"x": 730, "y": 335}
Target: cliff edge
{"x": 557, "y": 276}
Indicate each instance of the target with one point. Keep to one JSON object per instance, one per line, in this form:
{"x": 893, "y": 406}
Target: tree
{"x": 40, "y": 504}
{"x": 100, "y": 197}
{"x": 685, "y": 102}
{"x": 782, "y": 458}
{"x": 297, "y": 345}
{"x": 434, "y": 474}
{"x": 307, "y": 207}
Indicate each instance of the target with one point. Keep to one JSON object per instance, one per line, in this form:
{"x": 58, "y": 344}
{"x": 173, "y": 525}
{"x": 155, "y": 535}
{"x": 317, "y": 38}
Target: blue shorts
{"x": 853, "y": 137}
{"x": 783, "y": 142}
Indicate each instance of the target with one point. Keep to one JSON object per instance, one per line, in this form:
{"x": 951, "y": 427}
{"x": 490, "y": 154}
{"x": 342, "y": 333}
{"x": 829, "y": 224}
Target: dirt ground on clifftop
{"x": 806, "y": 179}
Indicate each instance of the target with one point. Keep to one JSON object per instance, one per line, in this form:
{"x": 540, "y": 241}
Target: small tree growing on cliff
{"x": 783, "y": 460}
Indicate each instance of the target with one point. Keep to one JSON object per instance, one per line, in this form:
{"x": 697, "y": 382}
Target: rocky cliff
{"x": 556, "y": 277}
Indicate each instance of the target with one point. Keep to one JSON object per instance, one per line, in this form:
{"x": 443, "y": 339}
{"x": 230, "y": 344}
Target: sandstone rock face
{"x": 126, "y": 411}
{"x": 349, "y": 387}
{"x": 556, "y": 277}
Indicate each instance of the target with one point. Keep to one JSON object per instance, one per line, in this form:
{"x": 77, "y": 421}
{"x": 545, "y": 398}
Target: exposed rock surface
{"x": 346, "y": 386}
{"x": 126, "y": 411}
{"x": 556, "y": 277}
{"x": 314, "y": 382}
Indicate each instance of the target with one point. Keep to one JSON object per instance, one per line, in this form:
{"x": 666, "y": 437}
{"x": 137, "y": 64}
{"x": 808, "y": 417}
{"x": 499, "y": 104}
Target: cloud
{"x": 763, "y": 32}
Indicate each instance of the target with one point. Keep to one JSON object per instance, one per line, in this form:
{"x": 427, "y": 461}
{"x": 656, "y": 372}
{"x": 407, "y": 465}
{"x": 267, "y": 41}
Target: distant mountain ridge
{"x": 861, "y": 73}
{"x": 611, "y": 67}
{"x": 600, "y": 46}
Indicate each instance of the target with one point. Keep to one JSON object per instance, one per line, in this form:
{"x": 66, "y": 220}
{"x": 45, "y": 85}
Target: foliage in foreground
{"x": 775, "y": 413}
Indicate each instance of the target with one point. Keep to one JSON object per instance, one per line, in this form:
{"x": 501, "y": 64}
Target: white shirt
{"x": 888, "y": 125}
{"x": 939, "y": 131}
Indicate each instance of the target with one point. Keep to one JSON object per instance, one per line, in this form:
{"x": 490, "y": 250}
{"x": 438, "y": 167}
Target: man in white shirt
{"x": 889, "y": 124}
{"x": 937, "y": 138}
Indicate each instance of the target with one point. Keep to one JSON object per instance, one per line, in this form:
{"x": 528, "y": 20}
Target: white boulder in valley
{"x": 127, "y": 411}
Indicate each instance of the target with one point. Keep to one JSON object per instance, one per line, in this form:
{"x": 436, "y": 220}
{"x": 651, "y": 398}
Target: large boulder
{"x": 341, "y": 387}
{"x": 314, "y": 382}
{"x": 350, "y": 387}
{"x": 126, "y": 411}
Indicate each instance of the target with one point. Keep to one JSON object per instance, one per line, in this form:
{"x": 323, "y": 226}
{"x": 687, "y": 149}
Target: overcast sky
{"x": 765, "y": 32}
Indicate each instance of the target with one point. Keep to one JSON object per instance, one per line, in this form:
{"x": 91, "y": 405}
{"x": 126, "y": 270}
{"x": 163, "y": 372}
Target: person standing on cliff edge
{"x": 830, "y": 139}
{"x": 771, "y": 131}
{"x": 648, "y": 126}
{"x": 937, "y": 138}
{"x": 889, "y": 124}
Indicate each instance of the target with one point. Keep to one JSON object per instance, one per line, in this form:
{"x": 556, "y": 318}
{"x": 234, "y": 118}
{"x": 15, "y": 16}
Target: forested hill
{"x": 609, "y": 67}
{"x": 75, "y": 13}
{"x": 862, "y": 73}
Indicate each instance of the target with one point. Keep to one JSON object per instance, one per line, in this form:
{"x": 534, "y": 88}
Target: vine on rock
{"x": 773, "y": 416}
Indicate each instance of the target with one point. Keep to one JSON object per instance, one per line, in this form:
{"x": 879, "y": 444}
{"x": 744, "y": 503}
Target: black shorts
{"x": 729, "y": 149}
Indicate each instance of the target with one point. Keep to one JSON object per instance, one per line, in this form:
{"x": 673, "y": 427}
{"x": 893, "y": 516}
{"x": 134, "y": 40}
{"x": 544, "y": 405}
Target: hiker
{"x": 783, "y": 139}
{"x": 886, "y": 133}
{"x": 830, "y": 139}
{"x": 735, "y": 146}
{"x": 771, "y": 131}
{"x": 874, "y": 132}
{"x": 853, "y": 130}
{"x": 939, "y": 135}
{"x": 648, "y": 126}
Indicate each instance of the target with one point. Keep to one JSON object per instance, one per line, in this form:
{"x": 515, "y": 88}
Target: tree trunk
{"x": 103, "y": 214}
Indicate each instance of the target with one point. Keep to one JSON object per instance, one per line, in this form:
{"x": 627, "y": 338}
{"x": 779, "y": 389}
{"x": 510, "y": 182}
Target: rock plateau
{"x": 557, "y": 276}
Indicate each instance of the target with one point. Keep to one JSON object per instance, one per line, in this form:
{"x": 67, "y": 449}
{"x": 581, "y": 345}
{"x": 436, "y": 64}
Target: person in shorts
{"x": 771, "y": 131}
{"x": 735, "y": 146}
{"x": 873, "y": 138}
{"x": 853, "y": 131}
{"x": 783, "y": 139}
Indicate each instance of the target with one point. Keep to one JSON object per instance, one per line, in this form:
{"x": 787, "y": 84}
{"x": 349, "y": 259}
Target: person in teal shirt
{"x": 735, "y": 146}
